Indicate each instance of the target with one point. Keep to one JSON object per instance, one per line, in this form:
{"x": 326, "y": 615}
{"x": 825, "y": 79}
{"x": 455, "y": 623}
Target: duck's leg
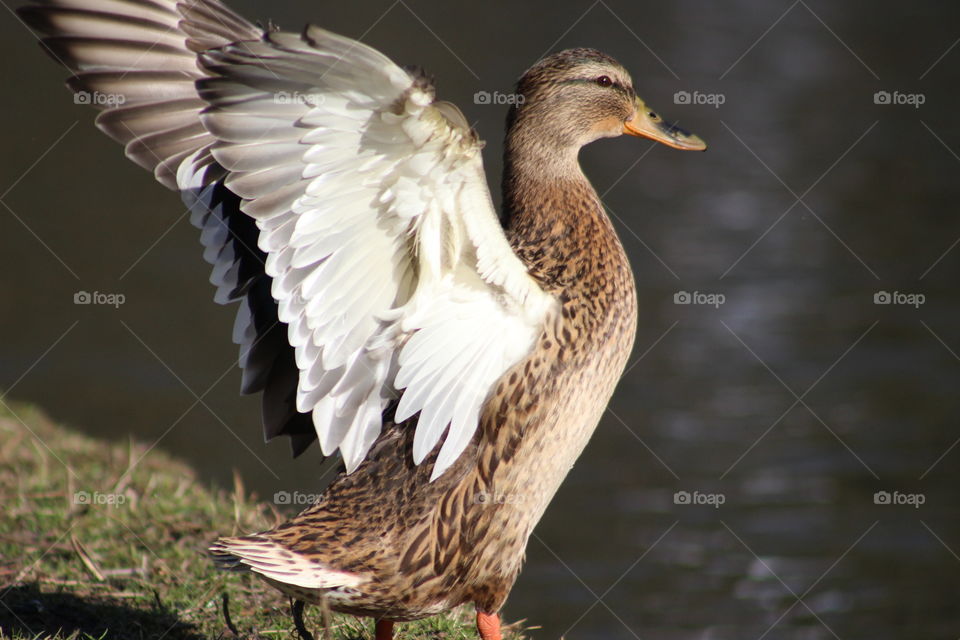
{"x": 384, "y": 630}
{"x": 488, "y": 624}
{"x": 296, "y": 608}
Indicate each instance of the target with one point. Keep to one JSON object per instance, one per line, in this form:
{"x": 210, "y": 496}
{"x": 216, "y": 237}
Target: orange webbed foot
{"x": 488, "y": 624}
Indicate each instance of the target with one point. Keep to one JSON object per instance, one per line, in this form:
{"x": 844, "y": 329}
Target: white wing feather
{"x": 388, "y": 262}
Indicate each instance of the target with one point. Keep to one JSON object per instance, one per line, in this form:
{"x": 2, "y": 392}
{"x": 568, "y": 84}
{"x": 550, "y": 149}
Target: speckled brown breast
{"x": 543, "y": 412}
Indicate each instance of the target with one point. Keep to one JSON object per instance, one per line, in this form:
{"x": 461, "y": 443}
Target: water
{"x": 794, "y": 402}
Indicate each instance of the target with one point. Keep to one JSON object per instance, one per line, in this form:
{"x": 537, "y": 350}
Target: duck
{"x": 457, "y": 359}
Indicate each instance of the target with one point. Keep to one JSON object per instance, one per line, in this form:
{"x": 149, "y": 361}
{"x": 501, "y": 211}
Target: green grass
{"x": 106, "y": 541}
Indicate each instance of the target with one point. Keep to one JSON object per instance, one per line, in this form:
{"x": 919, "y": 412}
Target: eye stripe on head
{"x": 595, "y": 80}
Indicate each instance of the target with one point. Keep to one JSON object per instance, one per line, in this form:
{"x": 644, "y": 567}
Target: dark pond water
{"x": 781, "y": 412}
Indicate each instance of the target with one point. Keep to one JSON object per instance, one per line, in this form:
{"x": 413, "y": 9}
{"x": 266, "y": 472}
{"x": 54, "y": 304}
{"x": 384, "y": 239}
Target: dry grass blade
{"x": 86, "y": 559}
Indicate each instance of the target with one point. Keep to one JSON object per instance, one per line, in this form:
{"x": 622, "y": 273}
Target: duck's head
{"x": 574, "y": 97}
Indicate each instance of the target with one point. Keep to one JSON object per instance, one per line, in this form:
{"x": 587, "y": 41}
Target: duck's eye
{"x": 604, "y": 81}
{"x": 652, "y": 115}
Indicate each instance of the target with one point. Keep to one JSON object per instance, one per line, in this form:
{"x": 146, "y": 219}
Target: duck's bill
{"x": 647, "y": 124}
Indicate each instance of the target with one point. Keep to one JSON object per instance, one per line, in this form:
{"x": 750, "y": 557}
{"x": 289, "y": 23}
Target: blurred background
{"x": 778, "y": 460}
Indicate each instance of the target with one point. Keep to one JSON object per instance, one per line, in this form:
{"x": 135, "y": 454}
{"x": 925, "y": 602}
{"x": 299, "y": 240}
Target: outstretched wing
{"x": 137, "y": 61}
{"x": 386, "y": 260}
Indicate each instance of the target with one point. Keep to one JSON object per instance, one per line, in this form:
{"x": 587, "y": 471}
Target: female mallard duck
{"x": 458, "y": 364}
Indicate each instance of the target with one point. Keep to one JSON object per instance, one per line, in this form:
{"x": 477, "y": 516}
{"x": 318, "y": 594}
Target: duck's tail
{"x": 260, "y": 554}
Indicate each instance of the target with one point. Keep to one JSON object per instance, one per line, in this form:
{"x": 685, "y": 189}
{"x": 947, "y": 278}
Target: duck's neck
{"x": 553, "y": 216}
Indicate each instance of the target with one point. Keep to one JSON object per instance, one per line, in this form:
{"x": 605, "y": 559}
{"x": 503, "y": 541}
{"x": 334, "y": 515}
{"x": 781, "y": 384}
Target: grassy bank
{"x": 106, "y": 540}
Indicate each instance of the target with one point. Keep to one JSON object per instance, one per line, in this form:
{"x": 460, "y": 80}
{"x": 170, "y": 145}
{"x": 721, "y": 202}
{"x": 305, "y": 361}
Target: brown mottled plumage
{"x": 429, "y": 546}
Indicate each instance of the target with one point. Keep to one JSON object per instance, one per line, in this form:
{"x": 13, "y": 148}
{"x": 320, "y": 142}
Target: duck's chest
{"x": 541, "y": 417}
{"x": 570, "y": 376}
{"x": 584, "y": 345}
{"x": 545, "y": 409}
